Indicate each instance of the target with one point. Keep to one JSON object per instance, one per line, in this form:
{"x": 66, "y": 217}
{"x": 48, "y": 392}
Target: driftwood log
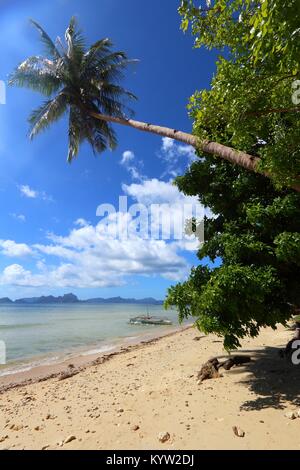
{"x": 235, "y": 361}
{"x": 210, "y": 370}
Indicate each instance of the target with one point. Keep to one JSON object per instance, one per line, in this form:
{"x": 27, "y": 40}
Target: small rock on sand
{"x": 135, "y": 427}
{"x": 163, "y": 437}
{"x": 66, "y": 374}
{"x": 238, "y": 431}
{"x": 291, "y": 414}
{"x": 69, "y": 439}
{"x": 15, "y": 427}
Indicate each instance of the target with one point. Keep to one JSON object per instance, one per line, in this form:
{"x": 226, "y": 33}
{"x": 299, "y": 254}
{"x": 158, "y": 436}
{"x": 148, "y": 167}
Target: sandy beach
{"x": 125, "y": 400}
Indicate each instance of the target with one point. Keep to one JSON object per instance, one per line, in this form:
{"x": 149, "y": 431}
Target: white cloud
{"x": 46, "y": 197}
{"x": 88, "y": 260}
{"x": 17, "y": 275}
{"x": 167, "y": 144}
{"x": 175, "y": 209}
{"x": 176, "y": 156}
{"x": 135, "y": 174}
{"x": 30, "y": 193}
{"x": 127, "y": 156}
{"x": 19, "y": 217}
{"x": 81, "y": 222}
{"x": 14, "y": 250}
{"x": 154, "y": 191}
{"x": 135, "y": 170}
{"x": 88, "y": 257}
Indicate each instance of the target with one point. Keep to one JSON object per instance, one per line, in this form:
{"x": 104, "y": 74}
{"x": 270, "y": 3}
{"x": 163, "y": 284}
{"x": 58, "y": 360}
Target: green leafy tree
{"x": 85, "y": 83}
{"x": 256, "y": 235}
{"x": 251, "y": 98}
{"x": 253, "y": 240}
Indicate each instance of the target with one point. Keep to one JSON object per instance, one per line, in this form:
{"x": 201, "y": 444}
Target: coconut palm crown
{"x": 79, "y": 81}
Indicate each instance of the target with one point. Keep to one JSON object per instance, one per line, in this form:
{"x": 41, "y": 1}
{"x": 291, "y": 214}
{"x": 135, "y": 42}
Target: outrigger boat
{"x": 149, "y": 320}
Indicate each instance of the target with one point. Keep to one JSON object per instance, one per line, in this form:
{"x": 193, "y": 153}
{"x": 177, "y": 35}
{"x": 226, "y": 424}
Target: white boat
{"x": 149, "y": 320}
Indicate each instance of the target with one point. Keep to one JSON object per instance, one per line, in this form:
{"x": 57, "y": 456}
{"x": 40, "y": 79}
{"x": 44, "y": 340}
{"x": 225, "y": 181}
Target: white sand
{"x": 153, "y": 389}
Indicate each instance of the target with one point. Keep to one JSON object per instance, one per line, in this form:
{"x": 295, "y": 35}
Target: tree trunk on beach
{"x": 249, "y": 162}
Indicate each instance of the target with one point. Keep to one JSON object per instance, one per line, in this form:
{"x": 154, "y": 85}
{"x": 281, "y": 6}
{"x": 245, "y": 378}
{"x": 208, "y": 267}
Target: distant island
{"x": 73, "y": 299}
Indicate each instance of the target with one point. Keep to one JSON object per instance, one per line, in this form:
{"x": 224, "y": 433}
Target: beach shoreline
{"x": 31, "y": 371}
{"x": 126, "y": 400}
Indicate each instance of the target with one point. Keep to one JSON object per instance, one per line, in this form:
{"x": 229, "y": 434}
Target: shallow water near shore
{"x": 43, "y": 334}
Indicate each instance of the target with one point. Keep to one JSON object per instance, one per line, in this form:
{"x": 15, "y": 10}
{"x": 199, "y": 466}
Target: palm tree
{"x": 85, "y": 82}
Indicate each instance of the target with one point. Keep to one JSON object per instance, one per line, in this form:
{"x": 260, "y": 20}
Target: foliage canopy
{"x": 254, "y": 101}
{"x": 255, "y": 231}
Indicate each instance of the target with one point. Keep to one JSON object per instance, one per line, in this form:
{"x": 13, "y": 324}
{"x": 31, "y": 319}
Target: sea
{"x": 45, "y": 333}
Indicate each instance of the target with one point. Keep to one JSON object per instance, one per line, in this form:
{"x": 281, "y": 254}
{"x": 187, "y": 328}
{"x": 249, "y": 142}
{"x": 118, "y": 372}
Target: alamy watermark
{"x": 178, "y": 221}
{"x": 2, "y": 352}
{"x": 295, "y": 357}
{"x": 2, "y": 92}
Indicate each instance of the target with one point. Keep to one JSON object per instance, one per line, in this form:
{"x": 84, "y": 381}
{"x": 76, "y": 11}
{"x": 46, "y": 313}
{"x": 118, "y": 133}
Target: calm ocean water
{"x": 40, "y": 331}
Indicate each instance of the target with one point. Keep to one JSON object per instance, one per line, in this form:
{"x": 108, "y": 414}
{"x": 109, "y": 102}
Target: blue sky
{"x": 48, "y": 231}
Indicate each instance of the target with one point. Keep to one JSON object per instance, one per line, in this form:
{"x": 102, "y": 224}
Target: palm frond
{"x": 38, "y": 74}
{"x": 110, "y": 99}
{"x": 97, "y": 51}
{"x": 114, "y": 72}
{"x": 99, "y": 134}
{"x": 47, "y": 114}
{"x": 74, "y": 133}
{"x": 101, "y": 61}
{"x": 116, "y": 61}
{"x": 75, "y": 42}
{"x": 104, "y": 135}
{"x": 47, "y": 41}
{"x": 111, "y": 90}
{"x": 113, "y": 107}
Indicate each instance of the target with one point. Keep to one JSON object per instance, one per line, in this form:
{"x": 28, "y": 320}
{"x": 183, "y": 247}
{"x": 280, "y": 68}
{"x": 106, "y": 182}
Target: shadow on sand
{"x": 273, "y": 379}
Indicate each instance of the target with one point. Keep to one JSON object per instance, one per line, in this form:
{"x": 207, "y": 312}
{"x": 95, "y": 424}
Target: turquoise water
{"x": 40, "y": 330}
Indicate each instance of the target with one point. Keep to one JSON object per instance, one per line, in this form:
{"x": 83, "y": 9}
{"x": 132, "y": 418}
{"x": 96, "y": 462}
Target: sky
{"x": 50, "y": 235}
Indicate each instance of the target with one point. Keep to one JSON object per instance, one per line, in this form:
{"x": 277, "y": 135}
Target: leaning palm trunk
{"x": 249, "y": 162}
{"x": 239, "y": 158}
{"x": 85, "y": 83}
